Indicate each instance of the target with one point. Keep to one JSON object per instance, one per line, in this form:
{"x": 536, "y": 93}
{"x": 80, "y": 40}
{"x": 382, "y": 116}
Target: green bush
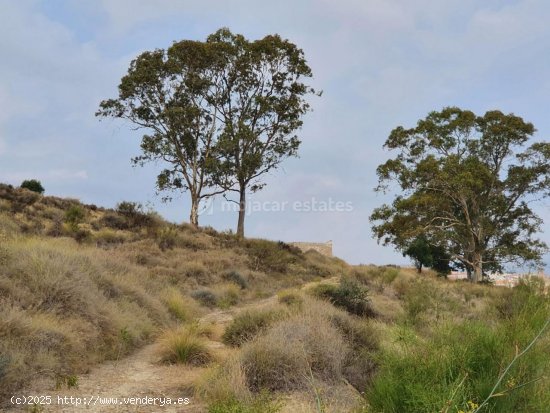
{"x": 33, "y": 185}
{"x": 167, "y": 238}
{"x": 74, "y": 216}
{"x": 349, "y": 295}
{"x": 459, "y": 363}
{"x": 290, "y": 298}
{"x": 135, "y": 215}
{"x": 419, "y": 298}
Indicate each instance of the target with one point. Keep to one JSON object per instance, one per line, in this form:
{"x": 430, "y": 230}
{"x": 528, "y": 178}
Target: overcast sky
{"x": 380, "y": 64}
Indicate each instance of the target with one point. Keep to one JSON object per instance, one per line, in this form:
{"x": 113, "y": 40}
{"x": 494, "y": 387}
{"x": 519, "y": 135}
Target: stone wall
{"x": 324, "y": 248}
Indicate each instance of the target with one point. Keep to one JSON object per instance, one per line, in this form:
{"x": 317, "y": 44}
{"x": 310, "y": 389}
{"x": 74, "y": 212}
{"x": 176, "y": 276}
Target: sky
{"x": 379, "y": 63}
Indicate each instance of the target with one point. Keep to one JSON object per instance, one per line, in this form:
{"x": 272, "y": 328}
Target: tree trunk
{"x": 242, "y": 211}
{"x": 477, "y": 275}
{"x": 194, "y": 216}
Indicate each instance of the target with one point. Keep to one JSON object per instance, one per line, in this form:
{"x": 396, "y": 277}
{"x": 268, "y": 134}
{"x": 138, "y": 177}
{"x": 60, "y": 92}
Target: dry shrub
{"x": 64, "y": 308}
{"x": 185, "y": 346}
{"x": 290, "y": 298}
{"x": 320, "y": 265}
{"x": 224, "y": 382}
{"x": 8, "y": 226}
{"x": 271, "y": 256}
{"x": 205, "y": 297}
{"x": 183, "y": 308}
{"x": 228, "y": 295}
{"x": 195, "y": 269}
{"x": 19, "y": 198}
{"x": 248, "y": 324}
{"x": 293, "y": 350}
{"x": 107, "y": 237}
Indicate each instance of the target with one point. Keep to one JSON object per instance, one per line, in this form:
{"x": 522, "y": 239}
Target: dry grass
{"x": 285, "y": 356}
{"x": 248, "y": 324}
{"x": 184, "y": 345}
{"x": 65, "y": 306}
{"x": 181, "y": 307}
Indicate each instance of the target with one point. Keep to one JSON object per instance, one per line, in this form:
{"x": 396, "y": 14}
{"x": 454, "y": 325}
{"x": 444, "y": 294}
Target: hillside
{"x": 122, "y": 303}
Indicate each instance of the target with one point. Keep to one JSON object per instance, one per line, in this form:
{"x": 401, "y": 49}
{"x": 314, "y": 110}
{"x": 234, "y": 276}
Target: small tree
{"x": 74, "y": 216}
{"x": 467, "y": 182}
{"x": 33, "y": 185}
{"x": 420, "y": 251}
{"x": 426, "y": 254}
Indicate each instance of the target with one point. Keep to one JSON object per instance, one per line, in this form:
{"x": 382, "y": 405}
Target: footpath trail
{"x": 109, "y": 386}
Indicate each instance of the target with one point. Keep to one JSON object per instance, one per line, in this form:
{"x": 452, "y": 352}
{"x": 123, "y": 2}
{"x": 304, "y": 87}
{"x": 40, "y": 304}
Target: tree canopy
{"x": 219, "y": 113}
{"x": 33, "y": 185}
{"x": 261, "y": 99}
{"x": 425, "y": 254}
{"x": 467, "y": 183}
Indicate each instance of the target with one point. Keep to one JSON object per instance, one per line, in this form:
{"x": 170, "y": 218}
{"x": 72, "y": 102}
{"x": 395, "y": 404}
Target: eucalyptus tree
{"x": 219, "y": 114}
{"x": 467, "y": 183}
{"x": 165, "y": 92}
{"x": 261, "y": 99}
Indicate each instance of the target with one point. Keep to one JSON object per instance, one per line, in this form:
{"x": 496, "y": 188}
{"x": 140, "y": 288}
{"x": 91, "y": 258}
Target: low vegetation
{"x": 298, "y": 332}
{"x": 80, "y": 284}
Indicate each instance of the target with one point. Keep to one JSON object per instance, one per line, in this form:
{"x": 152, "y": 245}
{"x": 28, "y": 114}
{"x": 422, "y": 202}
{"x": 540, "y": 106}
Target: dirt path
{"x": 108, "y": 386}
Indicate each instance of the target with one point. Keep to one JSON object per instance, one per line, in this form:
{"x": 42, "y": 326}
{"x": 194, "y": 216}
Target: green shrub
{"x": 183, "y": 308}
{"x": 248, "y": 324}
{"x": 460, "y": 363}
{"x": 4, "y": 364}
{"x": 74, "y": 216}
{"x": 167, "y": 238}
{"x": 418, "y": 299}
{"x": 228, "y": 295}
{"x": 33, "y": 185}
{"x": 135, "y": 215}
{"x": 349, "y": 295}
